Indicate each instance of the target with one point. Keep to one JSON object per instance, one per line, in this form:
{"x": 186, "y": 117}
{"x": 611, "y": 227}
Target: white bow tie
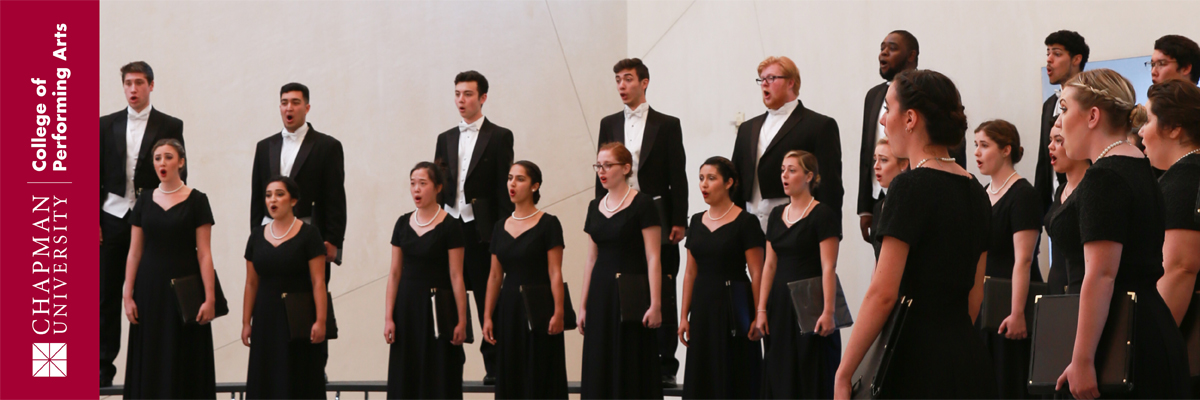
{"x": 139, "y": 117}
{"x": 778, "y": 111}
{"x": 463, "y": 127}
{"x": 639, "y": 113}
{"x": 291, "y": 136}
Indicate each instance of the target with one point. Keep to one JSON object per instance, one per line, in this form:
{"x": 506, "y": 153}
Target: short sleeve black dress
{"x": 797, "y": 365}
{"x": 1056, "y": 278}
{"x": 1018, "y": 210}
{"x": 619, "y": 360}
{"x": 720, "y": 366}
{"x": 281, "y": 368}
{"x": 945, "y": 220}
{"x": 420, "y": 366}
{"x": 1119, "y": 200}
{"x": 166, "y": 358}
{"x": 1180, "y": 185}
{"x": 532, "y": 365}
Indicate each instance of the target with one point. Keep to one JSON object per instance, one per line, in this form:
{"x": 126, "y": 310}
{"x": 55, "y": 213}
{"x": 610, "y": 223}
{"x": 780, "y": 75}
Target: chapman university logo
{"x": 49, "y": 359}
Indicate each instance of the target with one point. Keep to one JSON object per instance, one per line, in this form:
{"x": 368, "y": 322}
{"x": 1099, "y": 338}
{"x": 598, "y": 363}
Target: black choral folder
{"x": 870, "y": 379}
{"x": 444, "y": 309}
{"x": 808, "y": 299}
{"x": 633, "y": 292}
{"x": 1191, "y": 333}
{"x": 741, "y": 307}
{"x": 189, "y": 292}
{"x": 539, "y": 307}
{"x": 1054, "y": 340}
{"x": 302, "y": 314}
{"x": 997, "y": 302}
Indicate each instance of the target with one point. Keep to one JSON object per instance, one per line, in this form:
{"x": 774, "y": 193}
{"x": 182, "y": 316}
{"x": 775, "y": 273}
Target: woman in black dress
{"x": 285, "y": 256}
{"x": 935, "y": 229}
{"x": 171, "y": 233}
{"x": 620, "y": 358}
{"x": 802, "y": 243}
{"x": 1117, "y": 215}
{"x": 527, "y": 251}
{"x": 887, "y": 167}
{"x": 723, "y": 243}
{"x": 1172, "y": 138}
{"x": 427, "y": 253}
{"x": 1016, "y": 224}
{"x": 1066, "y": 256}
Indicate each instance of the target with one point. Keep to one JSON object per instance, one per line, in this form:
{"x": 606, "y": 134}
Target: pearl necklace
{"x": 946, "y": 159}
{"x": 164, "y": 191}
{"x": 1185, "y": 155}
{"x": 285, "y": 233}
{"x": 709, "y": 214}
{"x": 604, "y": 202}
{"x": 1110, "y": 147}
{"x": 417, "y": 217}
{"x": 515, "y": 217}
{"x": 1002, "y": 184}
{"x": 787, "y": 212}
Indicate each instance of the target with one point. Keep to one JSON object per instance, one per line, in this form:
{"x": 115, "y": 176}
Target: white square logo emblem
{"x": 49, "y": 359}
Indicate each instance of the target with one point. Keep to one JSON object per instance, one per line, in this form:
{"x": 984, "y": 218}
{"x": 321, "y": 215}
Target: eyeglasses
{"x": 604, "y": 167}
{"x": 1158, "y": 64}
{"x": 769, "y": 80}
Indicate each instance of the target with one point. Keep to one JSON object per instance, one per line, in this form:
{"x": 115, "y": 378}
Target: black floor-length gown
{"x": 620, "y": 360}
{"x": 1179, "y": 186}
{"x": 1019, "y": 209}
{"x": 531, "y": 365}
{"x": 420, "y": 366}
{"x": 719, "y": 364}
{"x": 797, "y": 365}
{"x": 944, "y": 218}
{"x": 1119, "y": 200}
{"x": 167, "y": 359}
{"x": 281, "y": 368}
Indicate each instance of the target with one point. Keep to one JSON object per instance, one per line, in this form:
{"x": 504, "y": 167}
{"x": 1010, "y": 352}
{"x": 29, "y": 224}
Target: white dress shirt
{"x": 635, "y": 129}
{"x": 775, "y": 118}
{"x": 287, "y": 154}
{"x": 468, "y": 134}
{"x": 135, "y": 129}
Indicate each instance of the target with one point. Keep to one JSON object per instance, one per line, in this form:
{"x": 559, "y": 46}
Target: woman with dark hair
{"x": 170, "y": 238}
{"x": 527, "y": 251}
{"x": 802, "y": 243}
{"x": 620, "y": 358}
{"x": 723, "y": 243}
{"x": 935, "y": 230}
{"x": 1172, "y": 138}
{"x": 1016, "y": 225}
{"x": 1066, "y": 255}
{"x": 1116, "y": 214}
{"x": 286, "y": 256}
{"x": 427, "y": 253}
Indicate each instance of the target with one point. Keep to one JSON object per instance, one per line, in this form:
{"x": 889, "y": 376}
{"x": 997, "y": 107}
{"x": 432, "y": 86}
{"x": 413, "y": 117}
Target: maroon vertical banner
{"x": 49, "y": 214}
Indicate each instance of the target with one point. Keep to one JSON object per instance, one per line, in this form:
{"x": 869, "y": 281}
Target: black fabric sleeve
{"x": 677, "y": 172}
{"x": 692, "y": 228}
{"x": 135, "y": 215}
{"x": 587, "y": 221}
{"x": 554, "y": 233}
{"x": 903, "y": 216}
{"x": 1026, "y": 210}
{"x": 314, "y": 245}
{"x": 1104, "y": 204}
{"x": 827, "y": 222}
{"x": 750, "y": 232}
{"x": 454, "y": 233}
{"x": 333, "y": 201}
{"x": 828, "y": 150}
{"x": 1180, "y": 192}
{"x": 203, "y": 215}
{"x": 398, "y": 230}
{"x": 249, "y": 255}
{"x": 647, "y": 215}
{"x": 258, "y": 185}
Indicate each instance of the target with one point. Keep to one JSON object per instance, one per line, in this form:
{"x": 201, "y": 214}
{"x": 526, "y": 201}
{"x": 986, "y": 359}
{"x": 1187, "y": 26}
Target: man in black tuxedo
{"x": 126, "y": 172}
{"x": 476, "y": 155}
{"x": 656, "y": 142}
{"x": 1066, "y": 56}
{"x": 787, "y": 125}
{"x": 898, "y": 52}
{"x": 316, "y": 162}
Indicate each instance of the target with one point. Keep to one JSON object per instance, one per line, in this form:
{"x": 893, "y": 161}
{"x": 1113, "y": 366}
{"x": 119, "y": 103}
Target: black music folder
{"x": 444, "y": 309}
{"x": 741, "y": 307}
{"x": 302, "y": 314}
{"x": 997, "y": 302}
{"x": 189, "y": 292}
{"x": 808, "y": 299}
{"x": 870, "y": 379}
{"x": 539, "y": 307}
{"x": 633, "y": 292}
{"x": 1191, "y": 333}
{"x": 1057, "y": 318}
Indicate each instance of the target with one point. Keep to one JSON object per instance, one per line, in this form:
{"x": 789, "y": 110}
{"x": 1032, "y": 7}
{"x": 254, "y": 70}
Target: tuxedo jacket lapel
{"x": 305, "y": 148}
{"x": 787, "y": 126}
{"x": 275, "y": 149}
{"x": 481, "y": 142}
{"x": 648, "y": 135}
{"x": 618, "y": 133}
{"x": 149, "y": 137}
